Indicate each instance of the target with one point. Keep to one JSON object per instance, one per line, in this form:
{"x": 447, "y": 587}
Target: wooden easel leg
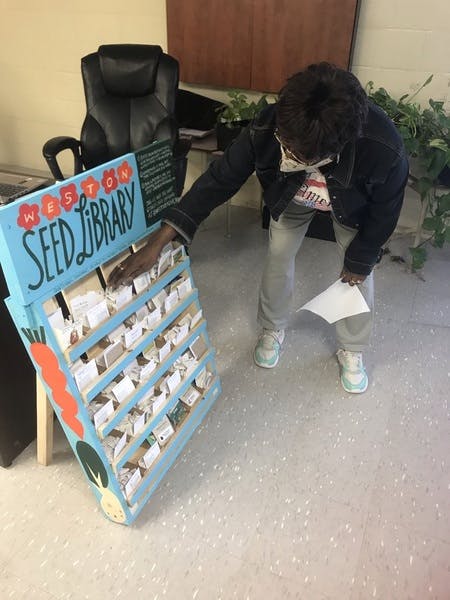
{"x": 44, "y": 425}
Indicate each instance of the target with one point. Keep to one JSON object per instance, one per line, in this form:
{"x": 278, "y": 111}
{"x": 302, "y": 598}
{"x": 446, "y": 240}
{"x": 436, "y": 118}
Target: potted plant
{"x": 234, "y": 115}
{"x": 426, "y": 134}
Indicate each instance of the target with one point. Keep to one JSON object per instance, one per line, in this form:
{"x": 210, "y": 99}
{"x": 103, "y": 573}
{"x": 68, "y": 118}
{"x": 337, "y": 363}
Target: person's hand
{"x": 351, "y": 278}
{"x": 144, "y": 259}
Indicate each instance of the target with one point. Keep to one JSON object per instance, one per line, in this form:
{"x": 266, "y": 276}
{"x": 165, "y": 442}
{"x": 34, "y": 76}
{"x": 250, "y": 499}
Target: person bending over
{"x": 322, "y": 147}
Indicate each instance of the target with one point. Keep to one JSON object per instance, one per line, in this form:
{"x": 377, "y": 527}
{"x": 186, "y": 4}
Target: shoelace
{"x": 271, "y": 334}
{"x": 353, "y": 361}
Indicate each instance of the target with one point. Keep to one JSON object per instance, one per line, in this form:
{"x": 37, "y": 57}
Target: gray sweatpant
{"x": 285, "y": 238}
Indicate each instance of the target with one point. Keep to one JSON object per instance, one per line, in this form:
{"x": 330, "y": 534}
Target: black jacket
{"x": 366, "y": 186}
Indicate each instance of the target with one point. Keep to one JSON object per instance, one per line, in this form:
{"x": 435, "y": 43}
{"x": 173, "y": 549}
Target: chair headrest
{"x": 129, "y": 69}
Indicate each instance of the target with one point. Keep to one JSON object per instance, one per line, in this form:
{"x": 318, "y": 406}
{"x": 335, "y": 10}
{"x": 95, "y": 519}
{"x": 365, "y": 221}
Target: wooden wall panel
{"x": 291, "y": 34}
{"x": 212, "y": 40}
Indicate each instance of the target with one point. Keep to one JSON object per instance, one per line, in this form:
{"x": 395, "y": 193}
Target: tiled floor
{"x": 290, "y": 488}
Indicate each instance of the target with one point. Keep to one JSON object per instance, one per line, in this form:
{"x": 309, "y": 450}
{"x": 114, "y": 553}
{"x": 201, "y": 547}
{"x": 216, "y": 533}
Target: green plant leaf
{"x": 431, "y": 223}
{"x": 439, "y": 239}
{"x": 418, "y": 256}
{"x": 444, "y": 203}
{"x": 447, "y": 234}
{"x": 439, "y": 143}
{"x": 424, "y": 185}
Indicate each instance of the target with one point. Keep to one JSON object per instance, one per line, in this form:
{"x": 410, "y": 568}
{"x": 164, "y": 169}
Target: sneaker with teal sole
{"x": 353, "y": 375}
{"x": 267, "y": 349}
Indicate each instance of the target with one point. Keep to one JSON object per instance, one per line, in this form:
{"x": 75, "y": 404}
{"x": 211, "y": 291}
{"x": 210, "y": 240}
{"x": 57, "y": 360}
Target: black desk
{"x": 17, "y": 375}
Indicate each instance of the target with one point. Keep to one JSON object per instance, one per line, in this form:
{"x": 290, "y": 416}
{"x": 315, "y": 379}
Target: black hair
{"x": 319, "y": 110}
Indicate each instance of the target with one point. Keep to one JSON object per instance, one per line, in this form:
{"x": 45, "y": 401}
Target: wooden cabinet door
{"x": 288, "y": 35}
{"x": 212, "y": 40}
{"x": 257, "y": 44}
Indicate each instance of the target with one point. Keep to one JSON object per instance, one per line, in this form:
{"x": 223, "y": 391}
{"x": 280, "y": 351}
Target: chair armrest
{"x": 56, "y": 145}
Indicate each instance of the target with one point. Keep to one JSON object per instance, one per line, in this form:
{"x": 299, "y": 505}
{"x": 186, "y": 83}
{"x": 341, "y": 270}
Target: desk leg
{"x": 44, "y": 425}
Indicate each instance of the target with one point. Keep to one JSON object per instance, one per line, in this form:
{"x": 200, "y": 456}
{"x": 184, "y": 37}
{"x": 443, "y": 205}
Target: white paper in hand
{"x": 338, "y": 301}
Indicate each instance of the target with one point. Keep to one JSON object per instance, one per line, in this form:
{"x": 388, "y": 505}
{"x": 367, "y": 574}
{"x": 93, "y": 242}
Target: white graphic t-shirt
{"x": 314, "y": 192}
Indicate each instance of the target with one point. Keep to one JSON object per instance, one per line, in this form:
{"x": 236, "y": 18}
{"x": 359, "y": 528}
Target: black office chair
{"x": 130, "y": 92}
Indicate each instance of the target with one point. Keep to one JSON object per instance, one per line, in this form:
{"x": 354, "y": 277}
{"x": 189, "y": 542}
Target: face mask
{"x": 289, "y": 165}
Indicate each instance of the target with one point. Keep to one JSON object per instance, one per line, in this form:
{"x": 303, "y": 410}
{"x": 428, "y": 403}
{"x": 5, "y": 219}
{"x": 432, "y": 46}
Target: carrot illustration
{"x": 56, "y": 381}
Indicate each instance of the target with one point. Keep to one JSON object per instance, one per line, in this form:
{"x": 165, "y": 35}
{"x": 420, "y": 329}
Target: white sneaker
{"x": 267, "y": 349}
{"x": 353, "y": 375}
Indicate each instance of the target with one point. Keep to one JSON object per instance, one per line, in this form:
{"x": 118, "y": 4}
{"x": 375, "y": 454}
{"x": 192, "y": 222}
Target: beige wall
{"x": 399, "y": 43}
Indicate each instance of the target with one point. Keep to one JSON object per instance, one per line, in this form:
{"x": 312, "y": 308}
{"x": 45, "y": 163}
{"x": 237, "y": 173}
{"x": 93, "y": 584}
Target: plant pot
{"x": 226, "y": 133}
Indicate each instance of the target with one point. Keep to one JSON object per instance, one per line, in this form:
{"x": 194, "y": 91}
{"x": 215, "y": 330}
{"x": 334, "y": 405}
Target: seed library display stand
{"x": 129, "y": 372}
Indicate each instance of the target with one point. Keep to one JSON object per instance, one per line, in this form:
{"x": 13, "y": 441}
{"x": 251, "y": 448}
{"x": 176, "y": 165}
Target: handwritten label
{"x": 132, "y": 335}
{"x": 156, "y": 177}
{"x": 119, "y": 446}
{"x": 170, "y": 301}
{"x": 141, "y": 282}
{"x": 163, "y": 431}
{"x": 190, "y": 397}
{"x": 173, "y": 381}
{"x": 133, "y": 482}
{"x": 196, "y": 318}
{"x": 139, "y": 424}
{"x": 148, "y": 369}
{"x": 150, "y": 456}
{"x": 164, "y": 351}
{"x": 86, "y": 374}
{"x": 103, "y": 414}
{"x": 123, "y": 389}
{"x": 184, "y": 288}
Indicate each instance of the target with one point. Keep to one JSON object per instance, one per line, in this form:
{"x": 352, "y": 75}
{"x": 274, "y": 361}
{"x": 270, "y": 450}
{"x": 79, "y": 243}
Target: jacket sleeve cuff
{"x": 358, "y": 268}
{"x": 181, "y": 222}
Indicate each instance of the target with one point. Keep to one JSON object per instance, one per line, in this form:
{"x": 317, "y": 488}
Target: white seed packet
{"x": 131, "y": 367}
{"x": 159, "y": 399}
{"x": 85, "y": 374}
{"x": 110, "y": 355}
{"x": 184, "y": 288}
{"x": 139, "y": 423}
{"x": 97, "y": 314}
{"x": 103, "y": 414}
{"x": 116, "y": 333}
{"x": 196, "y": 318}
{"x": 120, "y": 446}
{"x": 119, "y": 297}
{"x": 190, "y": 397}
{"x": 123, "y": 389}
{"x": 171, "y": 301}
{"x": 150, "y": 456}
{"x": 163, "y": 431}
{"x": 133, "y": 483}
{"x": 159, "y": 298}
{"x": 142, "y": 312}
{"x": 177, "y": 255}
{"x": 132, "y": 335}
{"x": 173, "y": 381}
{"x": 69, "y": 334}
{"x": 181, "y": 334}
{"x": 147, "y": 369}
{"x": 141, "y": 282}
{"x": 154, "y": 318}
{"x": 56, "y": 319}
{"x": 80, "y": 304}
{"x": 198, "y": 347}
{"x": 164, "y": 262}
{"x": 164, "y": 352}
